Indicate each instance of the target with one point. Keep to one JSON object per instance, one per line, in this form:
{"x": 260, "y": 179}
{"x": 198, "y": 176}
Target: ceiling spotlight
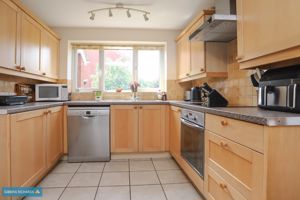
{"x": 110, "y": 13}
{"x": 146, "y": 17}
{"x": 92, "y": 17}
{"x": 128, "y": 14}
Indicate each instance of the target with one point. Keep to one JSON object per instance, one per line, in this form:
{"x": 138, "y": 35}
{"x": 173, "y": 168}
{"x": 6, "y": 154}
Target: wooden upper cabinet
{"x": 152, "y": 128}
{"x": 124, "y": 128}
{"x": 268, "y": 31}
{"x": 28, "y": 152}
{"x": 9, "y": 38}
{"x": 54, "y": 135}
{"x": 30, "y": 45}
{"x": 49, "y": 55}
{"x": 183, "y": 57}
{"x": 175, "y": 136}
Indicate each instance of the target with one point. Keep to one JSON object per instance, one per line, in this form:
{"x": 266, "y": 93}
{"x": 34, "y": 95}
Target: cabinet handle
{"x": 223, "y": 186}
{"x": 44, "y": 73}
{"x": 201, "y": 70}
{"x": 135, "y": 107}
{"x": 18, "y": 67}
{"x": 224, "y": 123}
{"x": 223, "y": 144}
{"x": 141, "y": 107}
{"x": 49, "y": 111}
{"x": 239, "y": 58}
{"x": 46, "y": 112}
{"x": 23, "y": 68}
{"x": 187, "y": 74}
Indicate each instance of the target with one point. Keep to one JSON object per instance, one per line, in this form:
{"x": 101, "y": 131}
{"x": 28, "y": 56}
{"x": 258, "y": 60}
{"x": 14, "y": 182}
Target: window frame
{"x": 101, "y": 49}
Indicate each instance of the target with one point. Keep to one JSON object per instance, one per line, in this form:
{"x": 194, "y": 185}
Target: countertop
{"x": 248, "y": 114}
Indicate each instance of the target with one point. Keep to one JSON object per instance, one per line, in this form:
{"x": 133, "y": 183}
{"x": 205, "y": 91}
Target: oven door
{"x": 192, "y": 145}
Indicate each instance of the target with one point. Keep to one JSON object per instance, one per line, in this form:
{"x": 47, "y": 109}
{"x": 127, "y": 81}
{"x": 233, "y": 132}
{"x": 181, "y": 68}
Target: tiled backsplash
{"x": 7, "y": 86}
{"x": 237, "y": 88}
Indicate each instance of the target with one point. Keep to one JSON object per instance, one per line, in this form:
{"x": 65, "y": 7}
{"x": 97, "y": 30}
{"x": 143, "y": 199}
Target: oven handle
{"x": 185, "y": 122}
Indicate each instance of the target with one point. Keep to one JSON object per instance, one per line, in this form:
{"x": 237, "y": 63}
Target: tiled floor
{"x": 134, "y": 179}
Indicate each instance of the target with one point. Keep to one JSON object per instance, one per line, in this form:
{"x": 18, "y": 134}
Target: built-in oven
{"x": 192, "y": 139}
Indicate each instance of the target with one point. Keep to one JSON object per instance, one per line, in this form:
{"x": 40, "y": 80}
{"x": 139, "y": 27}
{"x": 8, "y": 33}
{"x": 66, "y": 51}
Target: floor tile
{"x": 113, "y": 193}
{"x": 65, "y": 167}
{"x": 181, "y": 191}
{"x": 91, "y": 167}
{"x": 147, "y": 192}
{"x": 165, "y": 164}
{"x": 114, "y": 178}
{"x": 172, "y": 176}
{"x": 48, "y": 194}
{"x": 143, "y": 178}
{"x": 141, "y": 165}
{"x": 86, "y": 193}
{"x": 56, "y": 180}
{"x": 117, "y": 166}
{"x": 85, "y": 180}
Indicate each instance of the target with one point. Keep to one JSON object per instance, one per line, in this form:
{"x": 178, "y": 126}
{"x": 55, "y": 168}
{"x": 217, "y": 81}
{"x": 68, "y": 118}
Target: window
{"x": 113, "y": 67}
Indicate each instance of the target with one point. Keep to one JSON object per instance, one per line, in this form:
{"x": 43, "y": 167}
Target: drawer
{"x": 242, "y": 167}
{"x": 219, "y": 189}
{"x": 247, "y": 134}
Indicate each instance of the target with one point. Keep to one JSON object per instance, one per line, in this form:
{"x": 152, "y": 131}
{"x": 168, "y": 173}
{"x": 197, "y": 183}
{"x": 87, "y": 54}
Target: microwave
{"x": 51, "y": 92}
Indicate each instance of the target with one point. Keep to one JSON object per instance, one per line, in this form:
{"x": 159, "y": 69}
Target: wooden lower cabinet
{"x": 36, "y": 144}
{"x": 28, "y": 147}
{"x": 175, "y": 126}
{"x": 152, "y": 126}
{"x": 124, "y": 129}
{"x": 54, "y": 135}
{"x": 138, "y": 128}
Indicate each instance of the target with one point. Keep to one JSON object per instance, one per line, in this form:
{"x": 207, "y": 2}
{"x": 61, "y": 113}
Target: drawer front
{"x": 219, "y": 189}
{"x": 247, "y": 134}
{"x": 239, "y": 165}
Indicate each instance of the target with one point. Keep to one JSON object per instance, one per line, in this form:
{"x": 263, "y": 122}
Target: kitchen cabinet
{"x": 199, "y": 59}
{"x": 28, "y": 147}
{"x": 28, "y": 48}
{"x": 49, "y": 55}
{"x": 175, "y": 128}
{"x": 36, "y": 144}
{"x": 54, "y": 135}
{"x": 267, "y": 32}
{"x": 4, "y": 151}
{"x": 30, "y": 45}
{"x": 152, "y": 128}
{"x": 124, "y": 128}
{"x": 138, "y": 128}
{"x": 9, "y": 35}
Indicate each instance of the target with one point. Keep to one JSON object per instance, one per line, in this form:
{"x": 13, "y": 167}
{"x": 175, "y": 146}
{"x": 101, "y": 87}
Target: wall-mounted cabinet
{"x": 28, "y": 48}
{"x": 138, "y": 128}
{"x": 198, "y": 59}
{"x": 268, "y": 32}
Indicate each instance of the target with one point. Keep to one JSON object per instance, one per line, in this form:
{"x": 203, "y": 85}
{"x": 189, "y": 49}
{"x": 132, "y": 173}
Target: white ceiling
{"x": 165, "y": 14}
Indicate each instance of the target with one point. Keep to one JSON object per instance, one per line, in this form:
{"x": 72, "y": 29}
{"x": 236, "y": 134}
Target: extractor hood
{"x": 220, "y": 27}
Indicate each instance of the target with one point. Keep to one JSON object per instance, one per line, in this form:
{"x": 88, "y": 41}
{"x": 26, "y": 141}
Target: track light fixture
{"x": 119, "y": 6}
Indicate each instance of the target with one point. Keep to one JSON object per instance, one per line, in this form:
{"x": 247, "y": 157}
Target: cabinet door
{"x": 197, "y": 51}
{"x": 30, "y": 45}
{"x": 54, "y": 135}
{"x": 49, "y": 55}
{"x": 124, "y": 128}
{"x": 9, "y": 38}
{"x": 175, "y": 126}
{"x": 152, "y": 128}
{"x": 28, "y": 152}
{"x": 266, "y": 27}
{"x": 183, "y": 57}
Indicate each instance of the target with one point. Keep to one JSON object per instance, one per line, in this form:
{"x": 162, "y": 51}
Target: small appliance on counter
{"x": 9, "y": 100}
{"x": 187, "y": 95}
{"x": 25, "y": 90}
{"x": 51, "y": 92}
{"x": 196, "y": 94}
{"x": 279, "y": 89}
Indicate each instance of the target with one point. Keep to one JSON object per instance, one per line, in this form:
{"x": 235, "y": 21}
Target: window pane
{"x": 88, "y": 71}
{"x": 149, "y": 68}
{"x": 118, "y": 68}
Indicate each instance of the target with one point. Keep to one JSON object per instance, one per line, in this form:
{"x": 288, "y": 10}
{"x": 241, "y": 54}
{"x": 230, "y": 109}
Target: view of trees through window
{"x": 116, "y": 68}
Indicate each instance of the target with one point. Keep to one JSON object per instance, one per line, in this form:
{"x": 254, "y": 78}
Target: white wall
{"x": 68, "y": 35}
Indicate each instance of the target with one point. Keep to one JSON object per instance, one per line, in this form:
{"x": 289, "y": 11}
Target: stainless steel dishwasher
{"x": 88, "y": 134}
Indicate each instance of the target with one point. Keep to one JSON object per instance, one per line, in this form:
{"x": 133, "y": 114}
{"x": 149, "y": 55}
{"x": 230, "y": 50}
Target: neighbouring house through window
{"x": 109, "y": 68}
